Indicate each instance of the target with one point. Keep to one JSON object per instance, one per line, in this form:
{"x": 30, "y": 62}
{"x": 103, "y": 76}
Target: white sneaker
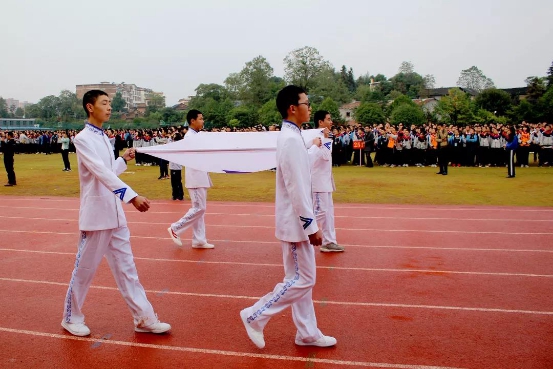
{"x": 76, "y": 329}
{"x": 254, "y": 335}
{"x": 157, "y": 328}
{"x": 204, "y": 246}
{"x": 324, "y": 341}
{"x": 174, "y": 236}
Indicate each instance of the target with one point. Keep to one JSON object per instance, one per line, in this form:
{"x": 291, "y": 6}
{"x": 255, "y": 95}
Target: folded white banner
{"x": 225, "y": 152}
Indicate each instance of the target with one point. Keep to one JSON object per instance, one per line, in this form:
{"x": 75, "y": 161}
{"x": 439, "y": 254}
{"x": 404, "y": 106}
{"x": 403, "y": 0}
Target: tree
{"x": 493, "y": 100}
{"x": 347, "y": 78}
{"x": 246, "y": 116}
{"x": 329, "y": 84}
{"x": 118, "y": 103}
{"x": 332, "y": 107}
{"x": 406, "y": 68}
{"x": 408, "y": 115}
{"x": 302, "y": 65}
{"x": 399, "y": 101}
{"x": 454, "y": 107}
{"x": 409, "y": 84}
{"x": 369, "y": 113}
{"x": 3, "y": 108}
{"x": 428, "y": 84}
{"x": 550, "y": 77}
{"x": 19, "y": 113}
{"x": 474, "y": 79}
{"x": 155, "y": 102}
{"x": 268, "y": 113}
{"x": 524, "y": 111}
{"x": 256, "y": 82}
{"x": 536, "y": 87}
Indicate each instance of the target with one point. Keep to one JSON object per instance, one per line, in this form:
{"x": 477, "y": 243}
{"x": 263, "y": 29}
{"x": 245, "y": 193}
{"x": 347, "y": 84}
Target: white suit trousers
{"x": 194, "y": 217}
{"x": 324, "y": 213}
{"x": 115, "y": 245}
{"x": 295, "y": 291}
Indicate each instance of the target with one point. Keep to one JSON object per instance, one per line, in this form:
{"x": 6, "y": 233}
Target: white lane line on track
{"x": 341, "y": 303}
{"x": 386, "y": 270}
{"x": 336, "y": 206}
{"x": 178, "y": 213}
{"x": 337, "y": 228}
{"x": 276, "y": 243}
{"x": 223, "y": 352}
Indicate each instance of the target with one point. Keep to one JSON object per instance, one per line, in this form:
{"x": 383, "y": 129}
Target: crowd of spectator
{"x": 477, "y": 145}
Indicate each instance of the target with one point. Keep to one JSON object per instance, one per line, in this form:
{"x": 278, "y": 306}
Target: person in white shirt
{"x": 197, "y": 183}
{"x": 320, "y": 160}
{"x": 296, "y": 229}
{"x": 103, "y": 225}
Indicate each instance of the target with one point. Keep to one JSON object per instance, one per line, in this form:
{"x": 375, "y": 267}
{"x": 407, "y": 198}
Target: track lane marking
{"x": 325, "y": 301}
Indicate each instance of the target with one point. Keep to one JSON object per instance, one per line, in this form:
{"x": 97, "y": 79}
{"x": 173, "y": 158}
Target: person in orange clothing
{"x": 523, "y": 150}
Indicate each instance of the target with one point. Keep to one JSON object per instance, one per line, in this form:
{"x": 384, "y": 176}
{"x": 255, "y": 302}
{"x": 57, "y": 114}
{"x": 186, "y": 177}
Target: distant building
{"x": 133, "y": 95}
{"x": 15, "y": 124}
{"x": 428, "y": 105}
{"x": 12, "y": 104}
{"x": 346, "y": 110}
{"x": 438, "y": 93}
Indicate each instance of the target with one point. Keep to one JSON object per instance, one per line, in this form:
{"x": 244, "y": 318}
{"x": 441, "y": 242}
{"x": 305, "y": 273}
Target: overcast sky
{"x": 174, "y": 45}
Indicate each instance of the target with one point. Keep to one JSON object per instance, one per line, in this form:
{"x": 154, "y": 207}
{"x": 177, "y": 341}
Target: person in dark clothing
{"x": 9, "y": 151}
{"x": 369, "y": 146}
{"x": 511, "y": 146}
{"x": 443, "y": 149}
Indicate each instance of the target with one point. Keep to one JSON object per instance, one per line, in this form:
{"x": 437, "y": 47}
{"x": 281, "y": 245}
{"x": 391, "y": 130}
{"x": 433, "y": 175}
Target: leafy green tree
{"x": 329, "y": 84}
{"x": 545, "y": 106}
{"x": 246, "y": 116}
{"x": 332, "y": 107}
{"x": 524, "y": 111}
{"x": 268, "y": 113}
{"x": 118, "y": 104}
{"x": 33, "y": 111}
{"x": 256, "y": 79}
{"x": 3, "y": 108}
{"x": 406, "y": 68}
{"x": 398, "y": 101}
{"x": 484, "y": 116}
{"x": 474, "y": 79}
{"x": 409, "y": 84}
{"x": 302, "y": 65}
{"x": 19, "y": 113}
{"x": 494, "y": 101}
{"x": 408, "y": 115}
{"x": 455, "y": 107}
{"x": 535, "y": 88}
{"x": 216, "y": 112}
{"x": 549, "y": 77}
{"x": 369, "y": 113}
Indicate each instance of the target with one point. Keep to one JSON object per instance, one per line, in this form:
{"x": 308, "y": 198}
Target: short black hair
{"x": 319, "y": 115}
{"x": 289, "y": 95}
{"x": 90, "y": 97}
{"x": 192, "y": 114}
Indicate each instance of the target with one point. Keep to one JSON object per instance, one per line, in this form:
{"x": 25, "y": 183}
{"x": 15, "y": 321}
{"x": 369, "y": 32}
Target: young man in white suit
{"x": 197, "y": 183}
{"x": 296, "y": 228}
{"x": 320, "y": 159}
{"x": 103, "y": 225}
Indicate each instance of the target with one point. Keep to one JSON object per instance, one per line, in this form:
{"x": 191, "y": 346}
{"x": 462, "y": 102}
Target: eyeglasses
{"x": 306, "y": 103}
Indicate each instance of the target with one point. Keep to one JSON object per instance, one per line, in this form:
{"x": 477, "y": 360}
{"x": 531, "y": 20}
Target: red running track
{"x": 418, "y": 287}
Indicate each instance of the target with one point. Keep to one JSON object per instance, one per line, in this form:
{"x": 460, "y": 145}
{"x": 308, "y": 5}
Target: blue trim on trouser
{"x": 70, "y": 290}
{"x": 283, "y": 291}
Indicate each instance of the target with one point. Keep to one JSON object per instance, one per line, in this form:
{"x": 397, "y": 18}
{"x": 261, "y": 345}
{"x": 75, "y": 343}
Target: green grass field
{"x": 41, "y": 175}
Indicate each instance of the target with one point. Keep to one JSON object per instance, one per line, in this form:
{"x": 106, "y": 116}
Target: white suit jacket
{"x": 294, "y": 216}
{"x": 101, "y": 190}
{"x": 194, "y": 178}
{"x": 320, "y": 160}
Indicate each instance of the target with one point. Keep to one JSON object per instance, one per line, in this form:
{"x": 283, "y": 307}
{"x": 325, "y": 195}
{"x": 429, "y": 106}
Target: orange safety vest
{"x": 391, "y": 143}
{"x": 433, "y": 141}
{"x": 525, "y": 139}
